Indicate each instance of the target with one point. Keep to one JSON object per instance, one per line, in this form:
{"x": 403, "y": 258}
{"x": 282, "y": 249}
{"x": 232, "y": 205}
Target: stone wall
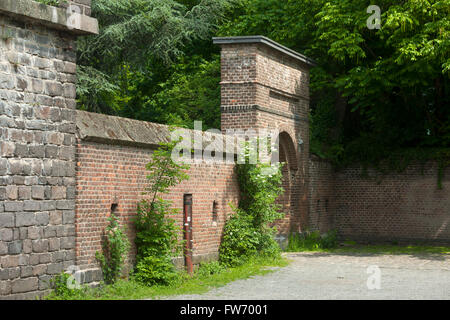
{"x": 37, "y": 147}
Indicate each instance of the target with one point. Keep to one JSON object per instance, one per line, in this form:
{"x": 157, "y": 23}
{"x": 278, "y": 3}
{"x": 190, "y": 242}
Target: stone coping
{"x": 53, "y": 17}
{"x": 108, "y": 129}
{"x": 268, "y": 42}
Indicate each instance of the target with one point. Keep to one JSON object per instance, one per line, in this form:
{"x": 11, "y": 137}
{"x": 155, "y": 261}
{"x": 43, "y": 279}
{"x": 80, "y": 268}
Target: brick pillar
{"x": 266, "y": 85}
{"x": 37, "y": 146}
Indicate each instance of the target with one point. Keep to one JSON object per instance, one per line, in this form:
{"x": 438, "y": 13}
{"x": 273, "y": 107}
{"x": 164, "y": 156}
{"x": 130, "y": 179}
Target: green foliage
{"x": 156, "y": 232}
{"x": 310, "y": 241}
{"x": 191, "y": 93}
{"x": 210, "y": 268}
{"x": 137, "y": 43}
{"x": 54, "y": 3}
{"x": 201, "y": 282}
{"x": 60, "y": 288}
{"x": 248, "y": 231}
{"x": 115, "y": 250}
{"x": 374, "y": 92}
{"x": 153, "y": 270}
{"x": 240, "y": 240}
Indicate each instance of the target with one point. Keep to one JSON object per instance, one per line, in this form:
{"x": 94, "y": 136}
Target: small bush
{"x": 310, "y": 241}
{"x": 60, "y": 288}
{"x": 207, "y": 269}
{"x": 151, "y": 270}
{"x": 115, "y": 250}
{"x": 240, "y": 240}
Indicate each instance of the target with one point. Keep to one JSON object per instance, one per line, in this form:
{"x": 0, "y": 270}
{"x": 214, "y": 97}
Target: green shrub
{"x": 152, "y": 270}
{"x": 157, "y": 243}
{"x": 156, "y": 232}
{"x": 60, "y": 288}
{"x": 115, "y": 249}
{"x": 210, "y": 268}
{"x": 310, "y": 241}
{"x": 247, "y": 233}
{"x": 240, "y": 240}
{"x": 329, "y": 240}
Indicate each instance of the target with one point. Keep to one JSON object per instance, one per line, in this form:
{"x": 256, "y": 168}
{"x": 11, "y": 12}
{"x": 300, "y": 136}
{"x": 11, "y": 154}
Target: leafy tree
{"x": 138, "y": 39}
{"x": 156, "y": 232}
{"x": 374, "y": 92}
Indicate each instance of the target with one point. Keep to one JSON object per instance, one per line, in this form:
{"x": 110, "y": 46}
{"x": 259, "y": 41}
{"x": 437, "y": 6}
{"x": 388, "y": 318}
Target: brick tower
{"x": 266, "y": 86}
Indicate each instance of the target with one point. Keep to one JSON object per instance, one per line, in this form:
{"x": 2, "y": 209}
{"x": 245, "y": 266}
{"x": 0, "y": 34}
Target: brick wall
{"x": 266, "y": 86}
{"x": 113, "y": 172}
{"x": 322, "y": 195}
{"x": 405, "y": 206}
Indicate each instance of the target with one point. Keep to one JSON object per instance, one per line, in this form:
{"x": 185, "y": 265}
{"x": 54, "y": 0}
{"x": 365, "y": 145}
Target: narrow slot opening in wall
{"x": 114, "y": 207}
{"x": 215, "y": 211}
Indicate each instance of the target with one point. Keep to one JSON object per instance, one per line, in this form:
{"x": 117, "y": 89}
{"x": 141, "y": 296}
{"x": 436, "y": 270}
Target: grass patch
{"x": 200, "y": 283}
{"x": 328, "y": 243}
{"x": 393, "y": 249}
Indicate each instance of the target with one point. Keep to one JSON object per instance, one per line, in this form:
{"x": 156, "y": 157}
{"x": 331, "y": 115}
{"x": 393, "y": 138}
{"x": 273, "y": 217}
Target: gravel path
{"x": 342, "y": 276}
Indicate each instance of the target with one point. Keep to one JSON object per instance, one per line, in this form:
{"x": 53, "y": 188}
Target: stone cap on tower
{"x": 266, "y": 41}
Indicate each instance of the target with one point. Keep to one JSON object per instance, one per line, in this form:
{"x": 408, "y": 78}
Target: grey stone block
{"x": 25, "y": 219}
{"x": 26, "y": 271}
{"x": 50, "y": 231}
{"x": 68, "y": 243}
{"x": 65, "y": 205}
{"x": 13, "y": 206}
{"x": 3, "y": 192}
{"x": 58, "y": 256}
{"x": 3, "y": 248}
{"x": 44, "y": 282}
{"x": 34, "y": 233}
{"x": 24, "y": 193}
{"x": 15, "y": 247}
{"x": 25, "y": 285}
{"x": 4, "y": 274}
{"x": 37, "y": 192}
{"x": 54, "y": 89}
{"x": 5, "y": 288}
{"x": 31, "y": 205}
{"x": 68, "y": 217}
{"x": 54, "y": 244}
{"x": 45, "y": 258}
{"x": 40, "y": 246}
{"x": 6, "y": 220}
{"x": 6, "y": 234}
{"x": 42, "y": 218}
{"x": 55, "y": 268}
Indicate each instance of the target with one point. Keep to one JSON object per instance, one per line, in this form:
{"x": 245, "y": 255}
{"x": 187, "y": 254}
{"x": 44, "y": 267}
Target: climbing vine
{"x": 248, "y": 231}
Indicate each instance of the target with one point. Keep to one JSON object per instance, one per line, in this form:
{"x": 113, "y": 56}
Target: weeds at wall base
{"x": 208, "y": 276}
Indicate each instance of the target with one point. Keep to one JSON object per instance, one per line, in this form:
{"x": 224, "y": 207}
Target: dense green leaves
{"x": 156, "y": 231}
{"x": 248, "y": 231}
{"x": 123, "y": 66}
{"x": 115, "y": 249}
{"x": 374, "y": 91}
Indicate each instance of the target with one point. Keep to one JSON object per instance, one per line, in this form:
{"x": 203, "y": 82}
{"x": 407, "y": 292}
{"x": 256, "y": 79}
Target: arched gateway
{"x": 266, "y": 86}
